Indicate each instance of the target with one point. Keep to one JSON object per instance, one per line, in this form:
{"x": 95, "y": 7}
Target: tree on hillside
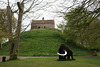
{"x": 61, "y": 26}
{"x": 22, "y": 8}
{"x": 79, "y": 14}
{"x": 79, "y": 26}
{"x": 92, "y": 34}
{"x": 4, "y": 25}
{"x": 3, "y": 28}
{"x": 78, "y": 21}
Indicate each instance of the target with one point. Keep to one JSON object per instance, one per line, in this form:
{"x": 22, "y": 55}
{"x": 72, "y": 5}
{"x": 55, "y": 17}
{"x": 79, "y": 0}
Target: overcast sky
{"x": 48, "y": 14}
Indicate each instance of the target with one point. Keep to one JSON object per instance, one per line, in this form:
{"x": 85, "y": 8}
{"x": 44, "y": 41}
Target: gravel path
{"x": 24, "y": 57}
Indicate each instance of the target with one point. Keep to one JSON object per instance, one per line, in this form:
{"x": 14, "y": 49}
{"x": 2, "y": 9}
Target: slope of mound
{"x": 41, "y": 42}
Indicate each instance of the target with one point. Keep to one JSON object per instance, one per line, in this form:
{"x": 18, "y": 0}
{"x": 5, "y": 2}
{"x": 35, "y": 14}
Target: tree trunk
{"x": 9, "y": 15}
{"x": 18, "y": 31}
{"x": 13, "y": 47}
{"x": 0, "y": 46}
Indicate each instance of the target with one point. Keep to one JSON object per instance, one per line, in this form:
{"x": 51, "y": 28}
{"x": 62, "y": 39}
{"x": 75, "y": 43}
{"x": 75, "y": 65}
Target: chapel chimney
{"x": 43, "y": 18}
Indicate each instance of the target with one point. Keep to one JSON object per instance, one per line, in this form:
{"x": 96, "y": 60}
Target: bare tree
{"x": 22, "y": 9}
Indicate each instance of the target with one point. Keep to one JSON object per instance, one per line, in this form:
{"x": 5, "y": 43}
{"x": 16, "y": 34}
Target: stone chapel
{"x": 42, "y": 24}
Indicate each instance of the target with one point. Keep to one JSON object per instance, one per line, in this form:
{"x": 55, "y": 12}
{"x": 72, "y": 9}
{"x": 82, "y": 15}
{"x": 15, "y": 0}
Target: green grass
{"x": 42, "y": 42}
{"x": 98, "y": 54}
{"x": 52, "y": 62}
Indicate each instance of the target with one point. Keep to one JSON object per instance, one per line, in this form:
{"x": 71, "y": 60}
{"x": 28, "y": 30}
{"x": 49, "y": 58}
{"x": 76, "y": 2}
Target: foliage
{"x": 81, "y": 29}
{"x": 52, "y": 61}
{"x": 92, "y": 34}
{"x": 3, "y": 25}
{"x": 93, "y": 6}
{"x": 61, "y": 26}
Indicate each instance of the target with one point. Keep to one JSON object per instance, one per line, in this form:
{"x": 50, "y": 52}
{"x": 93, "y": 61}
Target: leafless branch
{"x": 31, "y": 6}
{"x": 26, "y": 27}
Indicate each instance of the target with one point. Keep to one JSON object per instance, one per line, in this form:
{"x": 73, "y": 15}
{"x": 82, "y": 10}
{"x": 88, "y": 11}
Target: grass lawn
{"x": 42, "y": 42}
{"x": 52, "y": 62}
{"x": 98, "y": 54}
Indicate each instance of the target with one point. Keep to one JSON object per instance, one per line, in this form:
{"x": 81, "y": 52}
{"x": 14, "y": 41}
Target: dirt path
{"x": 24, "y": 57}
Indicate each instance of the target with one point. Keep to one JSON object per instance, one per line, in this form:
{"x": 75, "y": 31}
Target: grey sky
{"x": 48, "y": 14}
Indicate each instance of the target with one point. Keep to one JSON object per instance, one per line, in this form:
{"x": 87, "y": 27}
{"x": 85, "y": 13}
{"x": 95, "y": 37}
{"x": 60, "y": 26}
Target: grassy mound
{"x": 41, "y": 42}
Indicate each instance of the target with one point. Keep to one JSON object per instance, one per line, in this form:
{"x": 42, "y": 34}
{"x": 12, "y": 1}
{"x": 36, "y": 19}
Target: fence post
{"x": 3, "y": 59}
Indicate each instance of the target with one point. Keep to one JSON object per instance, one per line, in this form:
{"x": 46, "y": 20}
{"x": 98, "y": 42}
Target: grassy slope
{"x": 52, "y": 62}
{"x": 42, "y": 43}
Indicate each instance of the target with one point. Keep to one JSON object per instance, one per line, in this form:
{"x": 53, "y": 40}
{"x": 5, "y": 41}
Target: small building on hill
{"x": 42, "y": 24}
